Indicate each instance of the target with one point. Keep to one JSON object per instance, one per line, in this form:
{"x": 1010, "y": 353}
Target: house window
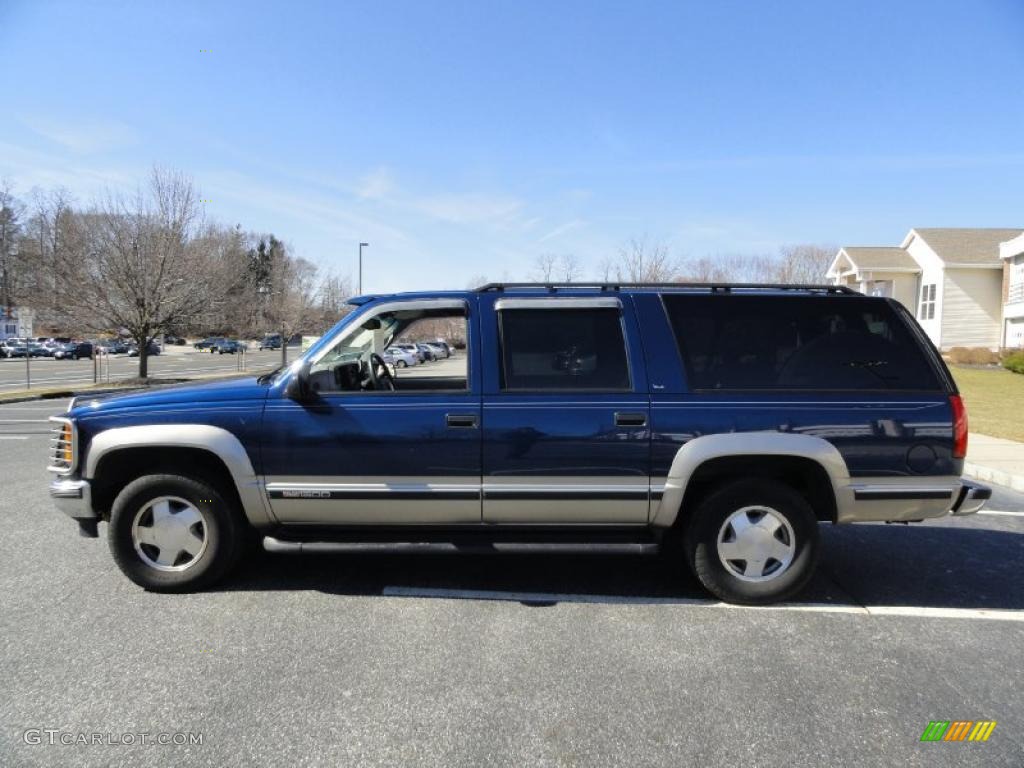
{"x": 927, "y": 308}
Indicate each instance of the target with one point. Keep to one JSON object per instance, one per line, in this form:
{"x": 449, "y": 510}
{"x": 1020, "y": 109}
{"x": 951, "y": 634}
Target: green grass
{"x": 994, "y": 399}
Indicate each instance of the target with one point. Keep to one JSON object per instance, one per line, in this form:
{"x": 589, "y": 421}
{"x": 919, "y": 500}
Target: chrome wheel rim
{"x": 756, "y": 543}
{"x": 169, "y": 533}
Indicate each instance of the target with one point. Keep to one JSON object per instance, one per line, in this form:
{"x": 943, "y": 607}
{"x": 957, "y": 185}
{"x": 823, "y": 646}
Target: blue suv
{"x": 728, "y": 419}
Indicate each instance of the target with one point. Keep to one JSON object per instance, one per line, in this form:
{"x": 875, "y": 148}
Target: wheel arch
{"x": 811, "y": 465}
{"x": 117, "y": 456}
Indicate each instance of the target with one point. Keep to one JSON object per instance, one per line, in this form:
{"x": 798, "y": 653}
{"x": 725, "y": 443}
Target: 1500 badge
{"x": 305, "y": 494}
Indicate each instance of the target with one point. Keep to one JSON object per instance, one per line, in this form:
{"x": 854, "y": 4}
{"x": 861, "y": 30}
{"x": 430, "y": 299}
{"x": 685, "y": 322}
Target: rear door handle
{"x": 630, "y": 419}
{"x": 461, "y": 420}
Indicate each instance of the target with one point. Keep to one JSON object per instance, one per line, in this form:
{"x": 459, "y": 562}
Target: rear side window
{"x": 799, "y": 342}
{"x": 563, "y": 349}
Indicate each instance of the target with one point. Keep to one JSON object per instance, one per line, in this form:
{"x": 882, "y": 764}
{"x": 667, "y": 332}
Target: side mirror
{"x": 298, "y": 384}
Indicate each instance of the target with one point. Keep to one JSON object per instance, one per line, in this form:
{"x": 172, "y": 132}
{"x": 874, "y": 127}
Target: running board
{"x": 483, "y": 538}
{"x": 276, "y": 546}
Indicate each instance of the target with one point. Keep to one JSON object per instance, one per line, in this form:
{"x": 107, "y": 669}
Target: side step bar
{"x": 277, "y": 546}
{"x": 464, "y": 538}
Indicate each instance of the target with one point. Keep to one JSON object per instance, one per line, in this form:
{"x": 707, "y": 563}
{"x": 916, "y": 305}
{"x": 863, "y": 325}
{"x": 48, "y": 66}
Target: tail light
{"x": 959, "y": 426}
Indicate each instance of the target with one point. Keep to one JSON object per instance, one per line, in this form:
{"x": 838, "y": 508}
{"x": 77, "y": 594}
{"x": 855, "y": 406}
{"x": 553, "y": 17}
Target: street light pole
{"x": 361, "y": 246}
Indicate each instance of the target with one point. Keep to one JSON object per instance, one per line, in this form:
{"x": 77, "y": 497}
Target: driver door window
{"x": 397, "y": 351}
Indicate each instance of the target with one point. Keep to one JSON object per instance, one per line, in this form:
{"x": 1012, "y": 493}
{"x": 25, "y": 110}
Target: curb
{"x": 997, "y": 476}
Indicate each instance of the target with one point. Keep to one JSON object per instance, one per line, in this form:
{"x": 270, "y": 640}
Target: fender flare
{"x": 216, "y": 440}
{"x": 702, "y": 449}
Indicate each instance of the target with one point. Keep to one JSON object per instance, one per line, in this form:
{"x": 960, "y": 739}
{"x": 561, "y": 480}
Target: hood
{"x": 247, "y": 388}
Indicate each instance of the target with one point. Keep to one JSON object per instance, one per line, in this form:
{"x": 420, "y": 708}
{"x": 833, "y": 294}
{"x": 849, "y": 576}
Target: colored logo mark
{"x": 958, "y": 730}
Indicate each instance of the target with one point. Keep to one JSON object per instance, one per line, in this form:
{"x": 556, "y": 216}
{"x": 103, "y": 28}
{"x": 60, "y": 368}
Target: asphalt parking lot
{"x": 396, "y": 658}
{"x": 176, "y": 362}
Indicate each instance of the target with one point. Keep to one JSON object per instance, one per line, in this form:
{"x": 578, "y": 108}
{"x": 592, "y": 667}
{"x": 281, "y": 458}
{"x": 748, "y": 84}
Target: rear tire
{"x": 753, "y": 542}
{"x": 170, "y": 533}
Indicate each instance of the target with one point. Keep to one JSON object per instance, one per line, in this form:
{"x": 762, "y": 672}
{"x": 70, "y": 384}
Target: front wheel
{"x": 170, "y": 533}
{"x": 753, "y": 542}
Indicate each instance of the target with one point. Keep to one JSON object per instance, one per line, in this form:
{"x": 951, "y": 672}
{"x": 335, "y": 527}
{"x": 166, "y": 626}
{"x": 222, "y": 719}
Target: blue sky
{"x": 464, "y": 138}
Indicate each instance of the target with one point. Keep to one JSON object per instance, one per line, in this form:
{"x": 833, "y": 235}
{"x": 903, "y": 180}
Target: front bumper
{"x": 972, "y": 497}
{"x": 74, "y": 498}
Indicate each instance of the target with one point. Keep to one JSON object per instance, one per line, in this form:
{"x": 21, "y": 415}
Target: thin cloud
{"x": 561, "y": 230}
{"x": 464, "y": 209}
{"x": 376, "y": 185}
{"x": 83, "y": 136}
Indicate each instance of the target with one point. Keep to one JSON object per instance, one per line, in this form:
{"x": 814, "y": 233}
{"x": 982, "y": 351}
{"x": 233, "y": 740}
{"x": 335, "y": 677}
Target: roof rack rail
{"x": 713, "y": 287}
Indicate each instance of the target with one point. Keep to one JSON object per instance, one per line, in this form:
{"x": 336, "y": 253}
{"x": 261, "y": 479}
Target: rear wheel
{"x": 753, "y": 542}
{"x": 170, "y": 533}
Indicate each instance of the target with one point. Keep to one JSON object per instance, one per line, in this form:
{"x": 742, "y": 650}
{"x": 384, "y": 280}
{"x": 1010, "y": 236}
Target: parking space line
{"x": 1000, "y": 512}
{"x": 14, "y": 437}
{"x": 847, "y": 608}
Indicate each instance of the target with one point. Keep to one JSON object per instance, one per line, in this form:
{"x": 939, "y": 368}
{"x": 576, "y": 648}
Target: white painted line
{"x": 1000, "y": 512}
{"x": 556, "y": 597}
{"x": 24, "y": 421}
{"x": 13, "y": 437}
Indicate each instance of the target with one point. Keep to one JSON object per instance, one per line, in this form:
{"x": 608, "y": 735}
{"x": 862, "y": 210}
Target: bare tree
{"x": 544, "y": 267}
{"x": 139, "y": 266}
{"x": 641, "y": 262}
{"x": 804, "y": 263}
{"x": 11, "y": 212}
{"x": 331, "y": 296}
{"x": 727, "y": 268}
{"x": 570, "y": 267}
{"x": 290, "y": 296}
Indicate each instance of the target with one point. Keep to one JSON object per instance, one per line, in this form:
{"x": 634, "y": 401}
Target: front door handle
{"x": 461, "y": 420}
{"x": 630, "y": 419}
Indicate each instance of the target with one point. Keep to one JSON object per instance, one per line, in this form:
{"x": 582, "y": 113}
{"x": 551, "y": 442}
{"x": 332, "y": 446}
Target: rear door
{"x": 565, "y": 411}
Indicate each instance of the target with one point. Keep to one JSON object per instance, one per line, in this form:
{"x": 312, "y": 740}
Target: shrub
{"x": 1014, "y": 362}
{"x": 972, "y": 356}
{"x": 958, "y": 355}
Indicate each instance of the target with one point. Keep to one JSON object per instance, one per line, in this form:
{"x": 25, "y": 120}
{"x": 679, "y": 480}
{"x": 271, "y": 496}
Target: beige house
{"x": 951, "y": 279}
{"x": 1012, "y": 253}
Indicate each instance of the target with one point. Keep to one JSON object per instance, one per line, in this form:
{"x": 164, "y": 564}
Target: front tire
{"x": 170, "y": 533}
{"x": 753, "y": 542}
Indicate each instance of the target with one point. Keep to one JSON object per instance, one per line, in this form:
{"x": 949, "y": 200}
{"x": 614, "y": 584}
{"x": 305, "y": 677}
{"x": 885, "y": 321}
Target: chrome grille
{"x": 63, "y": 447}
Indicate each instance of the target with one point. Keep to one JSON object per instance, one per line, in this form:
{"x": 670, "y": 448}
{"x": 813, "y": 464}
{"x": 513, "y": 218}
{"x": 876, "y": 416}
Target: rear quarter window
{"x": 796, "y": 342}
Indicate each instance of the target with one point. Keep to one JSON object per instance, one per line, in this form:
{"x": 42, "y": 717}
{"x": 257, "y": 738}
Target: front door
{"x": 363, "y": 455}
{"x": 566, "y": 412}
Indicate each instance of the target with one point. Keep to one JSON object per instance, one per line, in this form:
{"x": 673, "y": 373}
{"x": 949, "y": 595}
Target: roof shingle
{"x": 868, "y": 258}
{"x": 967, "y": 246}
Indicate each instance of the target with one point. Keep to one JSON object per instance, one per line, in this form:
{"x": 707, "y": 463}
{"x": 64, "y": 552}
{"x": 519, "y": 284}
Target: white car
{"x": 401, "y": 358}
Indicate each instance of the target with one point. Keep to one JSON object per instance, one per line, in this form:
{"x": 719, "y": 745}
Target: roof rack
{"x": 713, "y": 287}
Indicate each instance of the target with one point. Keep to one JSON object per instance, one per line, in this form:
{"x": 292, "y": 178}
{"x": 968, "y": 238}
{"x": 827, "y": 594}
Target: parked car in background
{"x": 170, "y": 338}
{"x": 446, "y": 346}
{"x": 208, "y": 342}
{"x": 440, "y": 351}
{"x": 414, "y": 349}
{"x": 13, "y": 348}
{"x": 228, "y": 347}
{"x": 271, "y": 341}
{"x": 402, "y": 357}
{"x": 36, "y": 349}
{"x": 74, "y": 350}
{"x": 427, "y": 352}
{"x": 152, "y": 348}
{"x": 111, "y": 347}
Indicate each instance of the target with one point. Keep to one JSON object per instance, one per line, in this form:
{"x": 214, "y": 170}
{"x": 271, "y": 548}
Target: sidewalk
{"x": 995, "y": 460}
